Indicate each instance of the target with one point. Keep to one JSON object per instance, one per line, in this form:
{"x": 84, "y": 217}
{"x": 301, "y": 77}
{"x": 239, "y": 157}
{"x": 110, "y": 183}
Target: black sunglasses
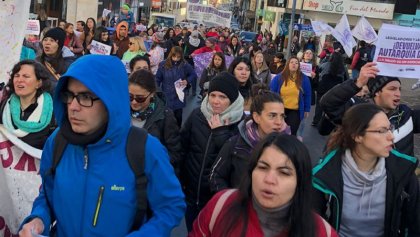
{"x": 139, "y": 99}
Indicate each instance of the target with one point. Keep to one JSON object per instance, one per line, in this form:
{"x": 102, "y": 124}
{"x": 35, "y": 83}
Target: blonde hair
{"x": 140, "y": 43}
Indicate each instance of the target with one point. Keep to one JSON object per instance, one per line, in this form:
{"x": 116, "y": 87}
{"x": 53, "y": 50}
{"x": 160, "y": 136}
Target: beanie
{"x": 377, "y": 83}
{"x": 57, "y": 34}
{"x": 227, "y": 84}
{"x": 126, "y": 7}
{"x": 212, "y": 40}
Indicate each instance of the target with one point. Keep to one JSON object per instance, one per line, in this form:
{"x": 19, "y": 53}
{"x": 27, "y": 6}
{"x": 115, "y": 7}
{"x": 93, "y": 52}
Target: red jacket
{"x": 206, "y": 49}
{"x": 201, "y": 224}
{"x": 212, "y": 34}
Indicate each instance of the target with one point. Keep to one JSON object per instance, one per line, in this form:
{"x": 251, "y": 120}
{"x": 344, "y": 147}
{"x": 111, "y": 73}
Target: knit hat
{"x": 227, "y": 84}
{"x": 57, "y": 34}
{"x": 126, "y": 7}
{"x": 158, "y": 37}
{"x": 212, "y": 40}
{"x": 377, "y": 83}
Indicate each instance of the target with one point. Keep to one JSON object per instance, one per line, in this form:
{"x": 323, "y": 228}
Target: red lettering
{"x": 7, "y": 232}
{"x": 26, "y": 159}
{"x": 6, "y": 162}
{"x": 313, "y": 4}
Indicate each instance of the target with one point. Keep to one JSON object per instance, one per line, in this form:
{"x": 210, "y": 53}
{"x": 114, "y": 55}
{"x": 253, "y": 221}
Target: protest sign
{"x": 19, "y": 181}
{"x": 343, "y": 34}
{"x": 13, "y": 19}
{"x": 364, "y": 31}
{"x": 321, "y": 28}
{"x": 100, "y": 48}
{"x": 398, "y": 51}
{"x": 306, "y": 68}
{"x": 208, "y": 14}
{"x": 32, "y": 27}
{"x": 201, "y": 61}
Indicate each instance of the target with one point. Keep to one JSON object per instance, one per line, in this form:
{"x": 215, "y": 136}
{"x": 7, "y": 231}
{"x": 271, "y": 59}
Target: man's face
{"x": 123, "y": 31}
{"x": 389, "y": 97}
{"x": 79, "y": 27}
{"x": 85, "y": 120}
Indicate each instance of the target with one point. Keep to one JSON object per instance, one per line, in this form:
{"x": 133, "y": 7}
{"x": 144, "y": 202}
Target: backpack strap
{"x": 135, "y": 150}
{"x": 218, "y": 208}
{"x": 60, "y": 144}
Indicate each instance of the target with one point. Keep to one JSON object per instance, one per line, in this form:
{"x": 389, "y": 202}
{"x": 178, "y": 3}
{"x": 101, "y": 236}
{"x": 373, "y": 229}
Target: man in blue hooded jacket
{"x": 93, "y": 191}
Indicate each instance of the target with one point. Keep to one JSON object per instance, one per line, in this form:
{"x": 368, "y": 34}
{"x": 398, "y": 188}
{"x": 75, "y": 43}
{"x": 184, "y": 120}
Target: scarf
{"x": 145, "y": 114}
{"x": 81, "y": 139}
{"x": 194, "y": 42}
{"x": 233, "y": 113}
{"x": 252, "y": 132}
{"x": 37, "y": 121}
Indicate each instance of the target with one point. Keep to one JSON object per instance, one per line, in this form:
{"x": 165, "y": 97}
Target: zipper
{"x": 85, "y": 158}
{"x": 202, "y": 169}
{"x": 98, "y": 205}
{"x": 321, "y": 187}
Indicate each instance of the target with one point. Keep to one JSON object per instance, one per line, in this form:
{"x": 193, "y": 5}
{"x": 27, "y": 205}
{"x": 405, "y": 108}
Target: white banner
{"x": 343, "y": 34}
{"x": 351, "y": 7}
{"x": 100, "y": 48}
{"x": 306, "y": 68}
{"x": 208, "y": 14}
{"x": 19, "y": 181}
{"x": 13, "y": 19}
{"x": 321, "y": 28}
{"x": 32, "y": 27}
{"x": 364, "y": 31}
{"x": 398, "y": 51}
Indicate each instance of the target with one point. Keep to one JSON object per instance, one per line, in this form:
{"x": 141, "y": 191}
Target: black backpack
{"x": 135, "y": 150}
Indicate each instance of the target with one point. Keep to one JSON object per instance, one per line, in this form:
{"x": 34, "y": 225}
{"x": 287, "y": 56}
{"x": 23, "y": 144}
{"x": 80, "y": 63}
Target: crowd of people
{"x": 235, "y": 166}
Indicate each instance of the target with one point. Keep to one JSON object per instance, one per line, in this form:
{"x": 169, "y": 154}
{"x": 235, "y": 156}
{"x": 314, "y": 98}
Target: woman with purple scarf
{"x": 267, "y": 116}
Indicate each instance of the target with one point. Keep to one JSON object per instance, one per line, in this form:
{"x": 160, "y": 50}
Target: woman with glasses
{"x": 148, "y": 111}
{"x": 135, "y": 47}
{"x": 267, "y": 116}
{"x": 294, "y": 88}
{"x": 363, "y": 186}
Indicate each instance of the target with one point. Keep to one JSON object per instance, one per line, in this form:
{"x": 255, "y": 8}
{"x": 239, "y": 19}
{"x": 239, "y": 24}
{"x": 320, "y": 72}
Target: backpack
{"x": 135, "y": 151}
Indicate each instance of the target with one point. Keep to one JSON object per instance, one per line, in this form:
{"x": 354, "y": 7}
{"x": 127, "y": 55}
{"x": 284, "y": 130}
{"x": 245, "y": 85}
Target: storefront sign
{"x": 349, "y": 7}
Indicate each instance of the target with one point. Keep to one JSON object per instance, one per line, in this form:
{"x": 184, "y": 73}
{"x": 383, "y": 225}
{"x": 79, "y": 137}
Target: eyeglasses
{"x": 139, "y": 99}
{"x": 84, "y": 99}
{"x": 131, "y": 43}
{"x": 383, "y": 130}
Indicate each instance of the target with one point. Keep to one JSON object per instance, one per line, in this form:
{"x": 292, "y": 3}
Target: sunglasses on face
{"x": 131, "y": 43}
{"x": 139, "y": 99}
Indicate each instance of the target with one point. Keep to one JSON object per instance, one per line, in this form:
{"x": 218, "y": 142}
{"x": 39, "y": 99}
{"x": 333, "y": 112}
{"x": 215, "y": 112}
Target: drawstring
{"x": 363, "y": 194}
{"x": 370, "y": 198}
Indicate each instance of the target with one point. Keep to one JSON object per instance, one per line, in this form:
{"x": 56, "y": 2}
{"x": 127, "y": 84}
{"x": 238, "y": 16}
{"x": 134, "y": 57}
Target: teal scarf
{"x": 30, "y": 126}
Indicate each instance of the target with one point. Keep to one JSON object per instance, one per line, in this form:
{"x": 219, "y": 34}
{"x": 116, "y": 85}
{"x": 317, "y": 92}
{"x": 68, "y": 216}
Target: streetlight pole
{"x": 292, "y": 19}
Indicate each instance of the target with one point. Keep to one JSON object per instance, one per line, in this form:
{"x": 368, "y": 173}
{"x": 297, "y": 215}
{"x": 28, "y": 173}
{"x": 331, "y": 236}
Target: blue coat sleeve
{"x": 307, "y": 93}
{"x": 163, "y": 191}
{"x": 40, "y": 208}
{"x": 274, "y": 85}
{"x": 190, "y": 73}
{"x": 159, "y": 76}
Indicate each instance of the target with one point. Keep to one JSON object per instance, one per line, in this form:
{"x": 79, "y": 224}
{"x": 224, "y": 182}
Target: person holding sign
{"x": 73, "y": 42}
{"x": 294, "y": 88}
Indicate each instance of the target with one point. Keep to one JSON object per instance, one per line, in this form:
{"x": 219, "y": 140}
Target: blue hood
{"x": 106, "y": 77}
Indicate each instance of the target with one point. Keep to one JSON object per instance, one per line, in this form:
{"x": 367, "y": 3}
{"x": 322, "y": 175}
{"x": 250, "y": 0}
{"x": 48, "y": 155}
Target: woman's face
{"x": 242, "y": 72}
{"x": 104, "y": 36}
{"x": 176, "y": 58}
{"x": 276, "y": 60}
{"x": 209, "y": 44}
{"x": 217, "y": 61}
{"x": 25, "y": 82}
{"x": 374, "y": 142}
{"x": 69, "y": 29}
{"x": 150, "y": 32}
{"x": 308, "y": 55}
{"x": 274, "y": 179}
{"x": 138, "y": 93}
{"x": 139, "y": 65}
{"x": 259, "y": 58}
{"x": 234, "y": 41}
{"x": 218, "y": 101}
{"x": 90, "y": 24}
{"x": 50, "y": 46}
{"x": 271, "y": 118}
{"x": 293, "y": 65}
{"x": 171, "y": 33}
{"x": 133, "y": 46}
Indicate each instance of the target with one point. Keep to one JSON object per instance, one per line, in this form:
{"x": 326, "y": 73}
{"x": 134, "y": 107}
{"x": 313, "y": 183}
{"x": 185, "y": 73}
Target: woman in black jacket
{"x": 267, "y": 116}
{"x": 148, "y": 111}
{"x": 216, "y": 66}
{"x": 203, "y": 135}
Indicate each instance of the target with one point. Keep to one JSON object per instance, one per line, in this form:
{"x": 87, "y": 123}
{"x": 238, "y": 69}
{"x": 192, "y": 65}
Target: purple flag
{"x": 201, "y": 61}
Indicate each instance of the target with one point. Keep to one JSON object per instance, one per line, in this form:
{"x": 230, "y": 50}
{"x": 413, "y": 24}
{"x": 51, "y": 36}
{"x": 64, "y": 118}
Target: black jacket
{"x": 402, "y": 204}
{"x": 406, "y": 121}
{"x": 232, "y": 162}
{"x": 201, "y": 145}
{"x": 162, "y": 124}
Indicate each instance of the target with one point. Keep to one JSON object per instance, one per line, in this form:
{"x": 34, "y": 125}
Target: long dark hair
{"x": 223, "y": 66}
{"x": 244, "y": 89}
{"x": 300, "y": 223}
{"x": 285, "y": 74}
{"x": 354, "y": 123}
{"x": 336, "y": 64}
{"x": 41, "y": 74}
{"x": 98, "y": 35}
{"x": 176, "y": 50}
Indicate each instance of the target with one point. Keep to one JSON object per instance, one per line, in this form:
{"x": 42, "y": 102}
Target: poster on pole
{"x": 208, "y": 15}
{"x": 100, "y": 48}
{"x": 398, "y": 51}
{"x": 306, "y": 68}
{"x": 14, "y": 15}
